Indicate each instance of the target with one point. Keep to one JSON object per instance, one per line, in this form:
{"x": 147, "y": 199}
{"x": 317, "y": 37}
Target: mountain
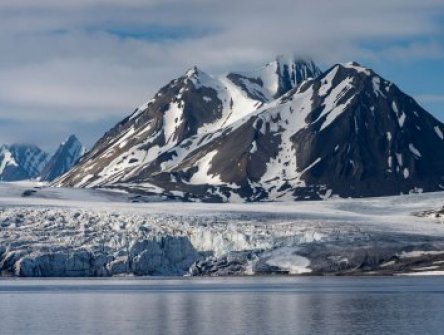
{"x": 21, "y": 161}
{"x": 68, "y": 153}
{"x": 282, "y": 132}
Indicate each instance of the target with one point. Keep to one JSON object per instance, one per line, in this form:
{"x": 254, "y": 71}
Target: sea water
{"x": 256, "y": 305}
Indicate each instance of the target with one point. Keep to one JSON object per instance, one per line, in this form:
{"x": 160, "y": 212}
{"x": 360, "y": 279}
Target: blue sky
{"x": 81, "y": 66}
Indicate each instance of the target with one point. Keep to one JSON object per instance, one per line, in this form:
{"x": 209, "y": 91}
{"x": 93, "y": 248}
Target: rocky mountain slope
{"x": 283, "y": 132}
{"x": 68, "y": 153}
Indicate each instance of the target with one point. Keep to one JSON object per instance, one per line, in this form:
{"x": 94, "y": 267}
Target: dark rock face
{"x": 21, "y": 161}
{"x": 273, "y": 134}
{"x": 276, "y": 78}
{"x": 382, "y": 143}
{"x": 294, "y": 73}
{"x": 68, "y": 153}
{"x": 245, "y": 82}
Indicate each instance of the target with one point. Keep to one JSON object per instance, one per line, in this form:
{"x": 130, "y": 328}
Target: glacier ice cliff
{"x": 77, "y": 233}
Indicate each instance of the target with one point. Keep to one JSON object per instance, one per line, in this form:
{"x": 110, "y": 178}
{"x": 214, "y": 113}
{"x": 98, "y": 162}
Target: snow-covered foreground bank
{"x": 76, "y": 232}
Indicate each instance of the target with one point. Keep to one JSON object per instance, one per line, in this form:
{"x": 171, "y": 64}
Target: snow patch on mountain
{"x": 7, "y": 159}
{"x": 438, "y": 132}
{"x": 331, "y": 107}
{"x": 414, "y": 150}
{"x": 203, "y": 175}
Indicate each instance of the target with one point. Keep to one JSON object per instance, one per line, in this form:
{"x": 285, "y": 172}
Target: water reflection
{"x": 262, "y": 306}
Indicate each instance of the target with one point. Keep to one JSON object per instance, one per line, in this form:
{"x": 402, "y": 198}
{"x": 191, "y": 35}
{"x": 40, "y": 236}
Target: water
{"x": 265, "y": 305}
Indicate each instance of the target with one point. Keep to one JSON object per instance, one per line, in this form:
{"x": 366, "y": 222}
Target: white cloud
{"x": 412, "y": 51}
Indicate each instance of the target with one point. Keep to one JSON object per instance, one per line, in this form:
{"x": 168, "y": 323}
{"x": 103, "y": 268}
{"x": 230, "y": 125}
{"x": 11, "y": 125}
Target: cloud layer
{"x": 71, "y": 63}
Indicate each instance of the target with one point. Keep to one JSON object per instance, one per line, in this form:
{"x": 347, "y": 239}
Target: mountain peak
{"x": 194, "y": 72}
{"x": 72, "y": 139}
{"x": 68, "y": 153}
{"x": 198, "y": 77}
{"x": 355, "y": 66}
{"x": 352, "y": 64}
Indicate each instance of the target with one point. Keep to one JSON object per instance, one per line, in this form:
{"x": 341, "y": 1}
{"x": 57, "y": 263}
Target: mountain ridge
{"x": 27, "y": 161}
{"x": 21, "y": 161}
{"x": 212, "y": 139}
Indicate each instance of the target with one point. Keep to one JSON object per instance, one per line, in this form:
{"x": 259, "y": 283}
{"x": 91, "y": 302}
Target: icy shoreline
{"x": 67, "y": 232}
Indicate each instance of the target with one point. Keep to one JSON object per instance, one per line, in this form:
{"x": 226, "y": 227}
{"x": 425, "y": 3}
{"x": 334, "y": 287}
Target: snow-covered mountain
{"x": 68, "y": 153}
{"x": 21, "y": 161}
{"x": 25, "y": 161}
{"x": 284, "y": 131}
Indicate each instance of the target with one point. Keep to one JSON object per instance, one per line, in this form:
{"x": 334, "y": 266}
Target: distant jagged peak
{"x": 71, "y": 138}
{"x": 21, "y": 161}
{"x": 72, "y": 141}
{"x": 68, "y": 153}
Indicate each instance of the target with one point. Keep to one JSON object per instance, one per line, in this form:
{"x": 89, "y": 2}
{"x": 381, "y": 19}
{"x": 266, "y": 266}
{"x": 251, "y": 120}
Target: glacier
{"x": 61, "y": 232}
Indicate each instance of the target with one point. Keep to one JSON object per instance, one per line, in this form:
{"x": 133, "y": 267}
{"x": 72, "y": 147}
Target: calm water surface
{"x": 276, "y": 305}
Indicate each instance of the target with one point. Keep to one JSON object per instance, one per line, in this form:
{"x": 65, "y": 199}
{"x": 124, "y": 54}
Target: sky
{"x": 81, "y": 66}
